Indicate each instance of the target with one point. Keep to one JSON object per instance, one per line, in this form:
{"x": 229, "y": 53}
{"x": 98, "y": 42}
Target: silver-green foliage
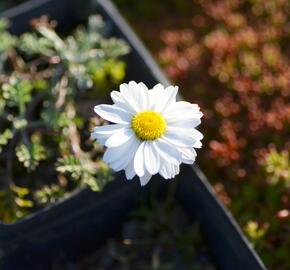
{"x": 44, "y": 127}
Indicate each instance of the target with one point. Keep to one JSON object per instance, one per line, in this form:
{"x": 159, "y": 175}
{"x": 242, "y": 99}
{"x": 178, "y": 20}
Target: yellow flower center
{"x": 148, "y": 125}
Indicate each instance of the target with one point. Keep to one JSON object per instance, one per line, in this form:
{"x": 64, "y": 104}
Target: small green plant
{"x": 47, "y": 83}
{"x": 254, "y": 231}
{"x": 277, "y": 167}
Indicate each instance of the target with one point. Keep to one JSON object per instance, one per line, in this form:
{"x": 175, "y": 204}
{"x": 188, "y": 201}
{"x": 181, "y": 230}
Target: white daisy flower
{"x": 151, "y": 131}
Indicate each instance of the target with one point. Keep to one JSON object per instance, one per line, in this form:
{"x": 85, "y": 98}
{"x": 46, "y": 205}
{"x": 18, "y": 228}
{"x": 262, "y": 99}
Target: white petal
{"x": 182, "y": 122}
{"x": 168, "y": 152}
{"x": 154, "y": 95}
{"x": 188, "y": 155}
{"x": 139, "y": 165}
{"x": 169, "y": 171}
{"x": 197, "y": 134}
{"x": 119, "y": 137}
{"x": 117, "y": 97}
{"x": 143, "y": 85}
{"x": 140, "y": 95}
{"x": 119, "y": 157}
{"x": 124, "y": 90}
{"x": 113, "y": 113}
{"x": 120, "y": 102}
{"x": 167, "y": 98}
{"x": 182, "y": 108}
{"x": 176, "y": 170}
{"x": 165, "y": 170}
{"x": 197, "y": 144}
{"x": 151, "y": 157}
{"x": 182, "y": 137}
{"x": 145, "y": 178}
{"x": 182, "y": 114}
{"x": 130, "y": 171}
{"x": 157, "y": 88}
{"x": 107, "y": 130}
{"x": 136, "y": 95}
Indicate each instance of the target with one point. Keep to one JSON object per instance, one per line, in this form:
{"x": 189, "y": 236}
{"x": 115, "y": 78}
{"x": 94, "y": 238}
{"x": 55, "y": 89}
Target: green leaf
{"x": 30, "y": 43}
{"x": 20, "y": 123}
{"x": 70, "y": 165}
{"x": 277, "y": 167}
{"x": 7, "y": 40}
{"x": 49, "y": 194}
{"x": 23, "y": 203}
{"x": 17, "y": 93}
{"x": 5, "y": 136}
{"x": 30, "y": 156}
{"x": 20, "y": 191}
{"x": 52, "y": 36}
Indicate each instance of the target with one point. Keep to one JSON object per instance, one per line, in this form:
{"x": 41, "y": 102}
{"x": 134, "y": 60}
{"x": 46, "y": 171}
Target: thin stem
{"x": 36, "y": 124}
{"x": 9, "y": 159}
{"x": 25, "y": 138}
{"x": 62, "y": 91}
{"x": 33, "y": 105}
{"x": 170, "y": 196}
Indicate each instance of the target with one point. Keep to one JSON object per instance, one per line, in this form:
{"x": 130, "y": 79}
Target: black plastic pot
{"x": 68, "y": 229}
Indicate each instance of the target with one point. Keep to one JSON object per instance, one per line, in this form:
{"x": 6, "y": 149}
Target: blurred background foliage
{"x": 47, "y": 82}
{"x": 232, "y": 58}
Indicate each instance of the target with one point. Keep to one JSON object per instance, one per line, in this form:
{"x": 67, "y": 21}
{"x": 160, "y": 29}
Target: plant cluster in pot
{"x": 47, "y": 85}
